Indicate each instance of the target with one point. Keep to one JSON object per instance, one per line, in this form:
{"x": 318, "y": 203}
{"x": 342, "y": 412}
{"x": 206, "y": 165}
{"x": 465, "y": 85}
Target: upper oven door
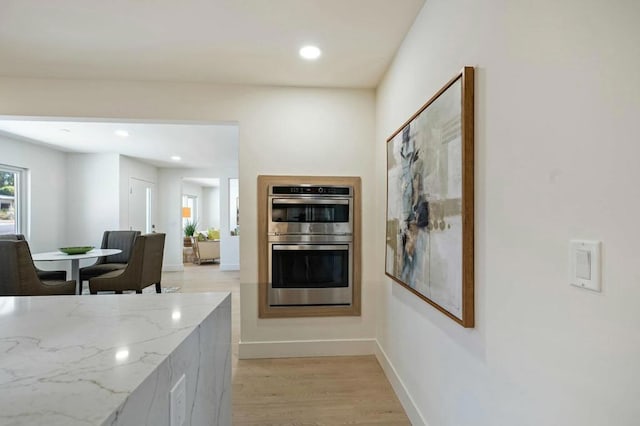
{"x": 304, "y": 215}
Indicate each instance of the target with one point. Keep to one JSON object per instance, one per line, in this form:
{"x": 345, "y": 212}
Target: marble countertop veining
{"x": 76, "y": 359}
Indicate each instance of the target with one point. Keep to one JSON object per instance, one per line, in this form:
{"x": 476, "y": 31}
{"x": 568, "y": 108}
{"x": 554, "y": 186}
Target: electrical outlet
{"x": 177, "y": 398}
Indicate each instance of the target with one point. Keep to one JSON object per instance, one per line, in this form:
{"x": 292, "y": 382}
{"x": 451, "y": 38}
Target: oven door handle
{"x": 343, "y": 247}
{"x": 340, "y": 201}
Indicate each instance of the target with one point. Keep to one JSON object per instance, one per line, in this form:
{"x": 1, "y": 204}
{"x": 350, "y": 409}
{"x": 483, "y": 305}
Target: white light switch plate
{"x": 177, "y": 398}
{"x": 585, "y": 264}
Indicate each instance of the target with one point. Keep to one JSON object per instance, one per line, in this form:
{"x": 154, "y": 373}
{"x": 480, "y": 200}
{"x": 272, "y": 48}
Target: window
{"x": 11, "y": 200}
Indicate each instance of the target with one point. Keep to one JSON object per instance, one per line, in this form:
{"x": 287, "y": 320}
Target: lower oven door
{"x": 310, "y": 274}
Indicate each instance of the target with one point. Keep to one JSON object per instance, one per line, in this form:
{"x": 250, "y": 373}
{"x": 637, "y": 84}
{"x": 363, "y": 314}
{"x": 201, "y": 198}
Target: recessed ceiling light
{"x": 310, "y": 52}
{"x": 122, "y": 133}
{"x": 176, "y": 158}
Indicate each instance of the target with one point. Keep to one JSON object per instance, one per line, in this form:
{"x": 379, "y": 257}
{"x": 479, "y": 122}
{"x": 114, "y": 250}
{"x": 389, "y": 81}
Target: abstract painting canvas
{"x": 429, "y": 239}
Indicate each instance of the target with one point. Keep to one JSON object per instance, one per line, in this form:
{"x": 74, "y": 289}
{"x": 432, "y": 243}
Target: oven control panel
{"x": 310, "y": 190}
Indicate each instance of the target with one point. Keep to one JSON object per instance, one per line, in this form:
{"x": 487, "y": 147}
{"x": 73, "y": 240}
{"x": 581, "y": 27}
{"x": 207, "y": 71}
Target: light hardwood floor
{"x": 296, "y": 391}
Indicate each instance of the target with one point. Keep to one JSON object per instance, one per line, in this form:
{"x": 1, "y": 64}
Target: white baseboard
{"x": 173, "y": 268}
{"x": 306, "y": 348}
{"x": 403, "y": 395}
{"x": 229, "y": 267}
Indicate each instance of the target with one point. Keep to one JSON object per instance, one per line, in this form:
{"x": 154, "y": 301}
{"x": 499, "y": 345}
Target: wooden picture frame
{"x": 430, "y": 195}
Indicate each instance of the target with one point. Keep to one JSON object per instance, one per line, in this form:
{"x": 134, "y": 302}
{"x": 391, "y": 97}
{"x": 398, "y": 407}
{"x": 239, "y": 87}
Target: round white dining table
{"x": 51, "y": 256}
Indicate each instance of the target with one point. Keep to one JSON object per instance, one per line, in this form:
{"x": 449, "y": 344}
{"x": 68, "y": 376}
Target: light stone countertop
{"x": 76, "y": 359}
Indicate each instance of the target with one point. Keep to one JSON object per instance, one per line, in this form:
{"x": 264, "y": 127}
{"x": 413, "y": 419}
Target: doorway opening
{"x": 141, "y": 206}
{"x": 93, "y": 175}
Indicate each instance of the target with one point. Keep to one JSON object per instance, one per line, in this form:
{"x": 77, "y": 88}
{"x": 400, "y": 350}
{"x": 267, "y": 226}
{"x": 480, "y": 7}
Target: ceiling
{"x": 222, "y": 41}
{"x": 206, "y": 182}
{"x": 218, "y": 41}
{"x": 198, "y": 145}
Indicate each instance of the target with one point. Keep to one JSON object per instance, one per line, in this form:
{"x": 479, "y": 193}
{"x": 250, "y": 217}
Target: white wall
{"x": 47, "y": 191}
{"x": 234, "y": 186}
{"x": 93, "y": 197}
{"x": 211, "y": 207}
{"x": 229, "y": 244}
{"x": 282, "y": 131}
{"x": 132, "y": 168}
{"x": 170, "y": 217}
{"x": 305, "y": 132}
{"x": 557, "y": 104}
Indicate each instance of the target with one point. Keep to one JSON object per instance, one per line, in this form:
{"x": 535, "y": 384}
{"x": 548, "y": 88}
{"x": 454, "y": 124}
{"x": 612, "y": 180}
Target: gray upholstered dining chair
{"x": 144, "y": 268}
{"x": 18, "y": 275}
{"x": 42, "y": 273}
{"x": 122, "y": 240}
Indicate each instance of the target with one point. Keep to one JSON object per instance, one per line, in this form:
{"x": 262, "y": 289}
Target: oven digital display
{"x": 311, "y": 190}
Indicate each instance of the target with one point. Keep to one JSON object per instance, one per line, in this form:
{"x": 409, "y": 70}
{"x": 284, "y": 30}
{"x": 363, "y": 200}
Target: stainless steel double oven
{"x": 310, "y": 245}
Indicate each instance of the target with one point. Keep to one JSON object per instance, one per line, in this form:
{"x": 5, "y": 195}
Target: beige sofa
{"x": 205, "y": 250}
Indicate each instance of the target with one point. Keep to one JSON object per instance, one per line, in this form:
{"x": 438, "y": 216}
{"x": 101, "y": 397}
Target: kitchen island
{"x": 113, "y": 359}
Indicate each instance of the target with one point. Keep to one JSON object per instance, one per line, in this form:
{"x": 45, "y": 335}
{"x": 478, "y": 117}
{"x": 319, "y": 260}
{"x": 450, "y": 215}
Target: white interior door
{"x": 141, "y": 202}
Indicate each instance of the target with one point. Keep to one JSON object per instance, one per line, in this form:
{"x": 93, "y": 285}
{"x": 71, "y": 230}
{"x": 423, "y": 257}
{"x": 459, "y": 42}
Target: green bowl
{"x": 76, "y": 250}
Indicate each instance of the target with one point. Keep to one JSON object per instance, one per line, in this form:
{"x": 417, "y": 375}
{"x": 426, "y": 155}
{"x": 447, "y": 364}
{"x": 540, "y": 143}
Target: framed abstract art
{"x": 429, "y": 236}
